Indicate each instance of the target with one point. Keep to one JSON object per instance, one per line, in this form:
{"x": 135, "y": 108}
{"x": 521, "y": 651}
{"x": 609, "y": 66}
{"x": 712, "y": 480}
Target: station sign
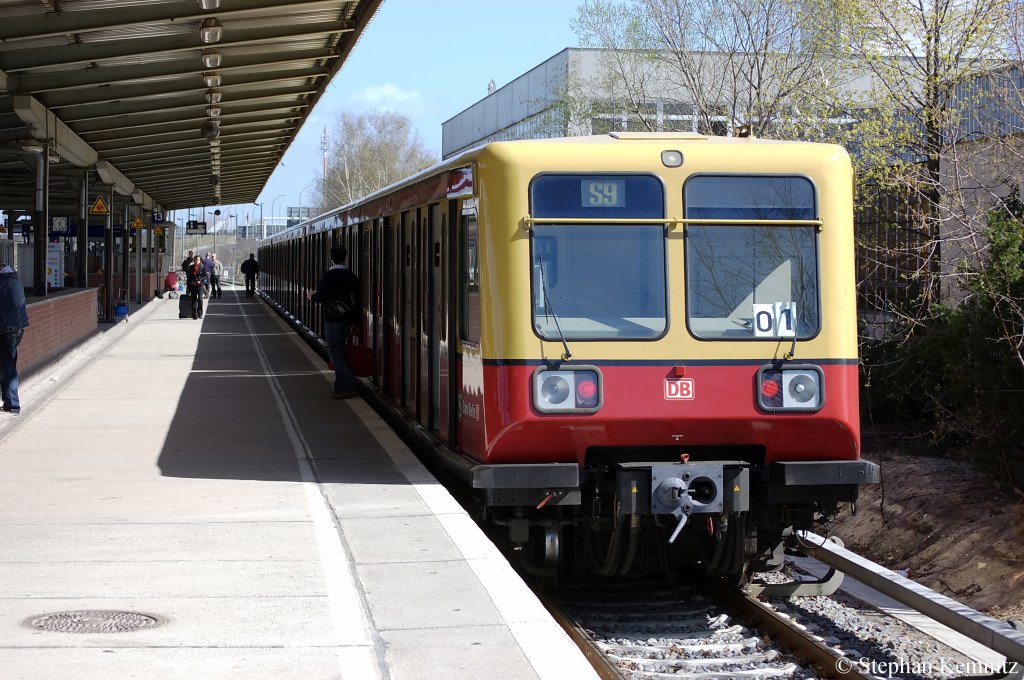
{"x": 194, "y": 227}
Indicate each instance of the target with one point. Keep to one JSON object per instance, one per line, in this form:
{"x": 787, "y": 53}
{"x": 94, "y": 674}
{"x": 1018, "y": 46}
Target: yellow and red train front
{"x": 695, "y": 293}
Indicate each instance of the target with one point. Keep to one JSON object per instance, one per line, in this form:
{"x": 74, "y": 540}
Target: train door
{"x": 423, "y": 302}
{"x": 411, "y": 298}
{"x": 391, "y": 309}
{"x": 310, "y": 278}
{"x": 405, "y": 308}
{"x": 431, "y": 324}
{"x": 470, "y": 381}
{"x": 442, "y": 310}
{"x": 377, "y": 299}
{"x": 360, "y": 260}
{"x": 450, "y": 387}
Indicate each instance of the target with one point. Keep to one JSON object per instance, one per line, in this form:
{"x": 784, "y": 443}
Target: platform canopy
{"x": 180, "y": 103}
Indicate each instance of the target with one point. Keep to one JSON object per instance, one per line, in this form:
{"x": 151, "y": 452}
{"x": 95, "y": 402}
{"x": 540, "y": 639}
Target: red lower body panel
{"x": 498, "y": 423}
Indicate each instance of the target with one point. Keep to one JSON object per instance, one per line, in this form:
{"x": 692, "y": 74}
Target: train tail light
{"x": 567, "y": 390}
{"x": 792, "y": 388}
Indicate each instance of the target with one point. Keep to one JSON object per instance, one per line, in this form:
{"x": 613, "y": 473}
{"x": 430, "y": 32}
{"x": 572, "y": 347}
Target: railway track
{"x": 651, "y": 631}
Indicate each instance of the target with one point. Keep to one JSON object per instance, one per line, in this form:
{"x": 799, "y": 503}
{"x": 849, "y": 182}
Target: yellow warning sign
{"x": 158, "y": 231}
{"x": 137, "y": 224}
{"x": 99, "y": 207}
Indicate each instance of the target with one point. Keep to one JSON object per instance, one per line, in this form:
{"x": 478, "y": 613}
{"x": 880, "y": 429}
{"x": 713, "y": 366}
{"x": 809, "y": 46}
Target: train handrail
{"x": 529, "y": 221}
{"x": 994, "y": 634}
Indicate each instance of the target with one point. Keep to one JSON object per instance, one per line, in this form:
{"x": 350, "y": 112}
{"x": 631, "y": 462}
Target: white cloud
{"x": 389, "y": 95}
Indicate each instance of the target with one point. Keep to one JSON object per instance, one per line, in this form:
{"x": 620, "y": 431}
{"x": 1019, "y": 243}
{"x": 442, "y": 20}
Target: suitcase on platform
{"x": 184, "y": 307}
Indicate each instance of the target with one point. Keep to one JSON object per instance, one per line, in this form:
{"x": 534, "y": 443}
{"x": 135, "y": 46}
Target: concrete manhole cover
{"x": 93, "y": 621}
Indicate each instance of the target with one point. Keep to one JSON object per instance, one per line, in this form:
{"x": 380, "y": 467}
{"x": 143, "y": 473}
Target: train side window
{"x": 470, "y": 273}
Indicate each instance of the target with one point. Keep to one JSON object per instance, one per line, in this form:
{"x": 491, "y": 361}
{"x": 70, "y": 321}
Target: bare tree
{"x": 370, "y": 151}
{"x": 934, "y": 67}
{"x": 726, "y": 63}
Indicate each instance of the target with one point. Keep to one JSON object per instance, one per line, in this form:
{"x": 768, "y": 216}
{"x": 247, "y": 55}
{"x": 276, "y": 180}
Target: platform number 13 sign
{"x": 775, "y": 320}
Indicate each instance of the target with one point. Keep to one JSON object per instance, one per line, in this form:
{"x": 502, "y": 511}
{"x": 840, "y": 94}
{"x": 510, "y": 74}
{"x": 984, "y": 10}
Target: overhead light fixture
{"x": 213, "y": 111}
{"x": 213, "y": 96}
{"x": 207, "y": 5}
{"x": 211, "y": 58}
{"x": 34, "y": 146}
{"x": 211, "y": 79}
{"x": 211, "y": 31}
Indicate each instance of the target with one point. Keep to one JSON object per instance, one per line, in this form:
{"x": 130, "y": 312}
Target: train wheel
{"x": 542, "y": 555}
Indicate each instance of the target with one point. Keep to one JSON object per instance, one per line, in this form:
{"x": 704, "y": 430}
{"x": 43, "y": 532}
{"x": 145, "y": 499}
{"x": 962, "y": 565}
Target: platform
{"x": 196, "y": 475}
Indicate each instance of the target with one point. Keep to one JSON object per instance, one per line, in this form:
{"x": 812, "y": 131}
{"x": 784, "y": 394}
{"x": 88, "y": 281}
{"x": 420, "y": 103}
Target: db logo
{"x": 679, "y": 388}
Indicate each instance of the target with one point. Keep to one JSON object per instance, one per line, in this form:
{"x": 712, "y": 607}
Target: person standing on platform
{"x": 216, "y": 270}
{"x": 250, "y": 268}
{"x": 13, "y": 321}
{"x": 338, "y": 292}
{"x": 208, "y": 266}
{"x": 197, "y": 282}
{"x": 187, "y": 262}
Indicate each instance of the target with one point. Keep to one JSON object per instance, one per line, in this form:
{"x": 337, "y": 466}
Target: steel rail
{"x": 795, "y": 640}
{"x": 992, "y": 633}
{"x": 602, "y": 666}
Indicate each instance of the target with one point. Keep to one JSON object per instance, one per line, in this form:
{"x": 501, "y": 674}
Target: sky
{"x": 428, "y": 61}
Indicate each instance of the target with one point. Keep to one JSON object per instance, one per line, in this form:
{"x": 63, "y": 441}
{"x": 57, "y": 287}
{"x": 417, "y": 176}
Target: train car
{"x": 638, "y": 351}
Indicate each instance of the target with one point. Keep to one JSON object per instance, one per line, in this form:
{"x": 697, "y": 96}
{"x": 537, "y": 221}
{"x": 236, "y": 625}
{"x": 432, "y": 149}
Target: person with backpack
{"x": 338, "y": 293}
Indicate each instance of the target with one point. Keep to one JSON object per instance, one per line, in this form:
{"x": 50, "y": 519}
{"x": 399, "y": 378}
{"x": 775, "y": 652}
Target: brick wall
{"x": 150, "y": 284}
{"x": 56, "y": 324}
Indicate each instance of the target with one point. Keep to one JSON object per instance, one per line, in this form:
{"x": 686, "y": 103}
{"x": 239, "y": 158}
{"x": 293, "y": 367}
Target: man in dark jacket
{"x": 13, "y": 321}
{"x": 338, "y": 292}
{"x": 250, "y": 268}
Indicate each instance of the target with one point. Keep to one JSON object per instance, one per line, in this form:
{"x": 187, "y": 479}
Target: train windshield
{"x": 604, "y": 280}
{"x": 751, "y": 281}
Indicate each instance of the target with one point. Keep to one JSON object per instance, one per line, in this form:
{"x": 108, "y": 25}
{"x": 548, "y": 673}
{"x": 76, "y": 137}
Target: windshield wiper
{"x": 549, "y": 310}
{"x": 791, "y": 354}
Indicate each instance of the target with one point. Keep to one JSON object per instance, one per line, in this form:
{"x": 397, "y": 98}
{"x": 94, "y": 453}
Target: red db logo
{"x": 679, "y": 388}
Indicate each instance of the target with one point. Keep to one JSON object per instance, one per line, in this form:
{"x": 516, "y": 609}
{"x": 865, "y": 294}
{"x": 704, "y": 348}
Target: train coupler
{"x": 682, "y": 489}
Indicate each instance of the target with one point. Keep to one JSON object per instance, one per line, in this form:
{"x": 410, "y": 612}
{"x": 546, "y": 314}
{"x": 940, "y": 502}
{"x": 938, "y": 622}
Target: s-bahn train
{"x": 638, "y": 351}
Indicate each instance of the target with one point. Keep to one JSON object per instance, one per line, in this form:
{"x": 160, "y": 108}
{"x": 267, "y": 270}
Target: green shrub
{"x": 961, "y": 370}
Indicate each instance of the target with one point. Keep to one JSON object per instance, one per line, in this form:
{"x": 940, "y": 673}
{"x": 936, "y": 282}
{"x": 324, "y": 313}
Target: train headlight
{"x": 792, "y": 388}
{"x": 567, "y": 390}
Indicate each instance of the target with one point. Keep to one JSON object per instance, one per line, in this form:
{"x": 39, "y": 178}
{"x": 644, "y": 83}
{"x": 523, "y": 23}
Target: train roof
{"x": 531, "y": 146}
